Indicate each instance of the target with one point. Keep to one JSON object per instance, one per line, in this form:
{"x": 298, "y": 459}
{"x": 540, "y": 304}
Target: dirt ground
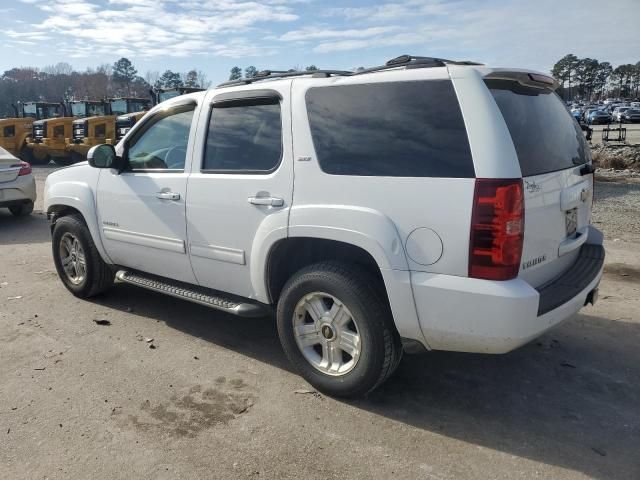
{"x": 216, "y": 398}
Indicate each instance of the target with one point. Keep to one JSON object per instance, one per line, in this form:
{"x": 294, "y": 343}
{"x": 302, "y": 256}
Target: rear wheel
{"x": 337, "y": 330}
{"x": 22, "y": 209}
{"x": 77, "y": 260}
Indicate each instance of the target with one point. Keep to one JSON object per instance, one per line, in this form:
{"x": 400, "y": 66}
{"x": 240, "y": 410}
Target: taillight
{"x": 25, "y": 168}
{"x": 497, "y": 229}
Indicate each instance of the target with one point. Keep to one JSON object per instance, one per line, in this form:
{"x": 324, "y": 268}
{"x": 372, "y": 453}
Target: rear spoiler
{"x": 529, "y": 79}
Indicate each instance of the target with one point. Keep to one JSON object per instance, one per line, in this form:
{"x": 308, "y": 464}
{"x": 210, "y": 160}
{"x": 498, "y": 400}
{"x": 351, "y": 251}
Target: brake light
{"x": 497, "y": 229}
{"x": 25, "y": 168}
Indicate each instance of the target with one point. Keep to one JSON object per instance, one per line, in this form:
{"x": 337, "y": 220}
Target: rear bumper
{"x": 471, "y": 315}
{"x": 20, "y": 190}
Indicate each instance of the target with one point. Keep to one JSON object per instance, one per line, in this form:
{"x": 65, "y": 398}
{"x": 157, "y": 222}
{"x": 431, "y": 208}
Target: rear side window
{"x": 546, "y": 137}
{"x": 397, "y": 129}
{"x": 244, "y": 137}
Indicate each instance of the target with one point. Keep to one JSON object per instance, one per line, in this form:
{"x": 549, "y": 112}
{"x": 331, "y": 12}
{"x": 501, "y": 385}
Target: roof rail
{"x": 408, "y": 61}
{"x": 411, "y": 61}
{"x": 270, "y": 74}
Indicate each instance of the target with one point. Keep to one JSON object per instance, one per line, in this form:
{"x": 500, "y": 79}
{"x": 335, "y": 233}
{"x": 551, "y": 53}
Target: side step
{"x": 192, "y": 293}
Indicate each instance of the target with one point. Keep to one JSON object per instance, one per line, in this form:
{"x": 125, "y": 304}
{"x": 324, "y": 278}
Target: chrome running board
{"x": 192, "y": 293}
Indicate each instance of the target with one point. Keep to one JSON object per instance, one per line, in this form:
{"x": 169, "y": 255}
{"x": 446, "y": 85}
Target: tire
{"x": 350, "y": 290}
{"x": 95, "y": 276}
{"x": 26, "y": 154}
{"x": 43, "y": 161}
{"x": 22, "y": 209}
{"x": 63, "y": 161}
{"x": 77, "y": 158}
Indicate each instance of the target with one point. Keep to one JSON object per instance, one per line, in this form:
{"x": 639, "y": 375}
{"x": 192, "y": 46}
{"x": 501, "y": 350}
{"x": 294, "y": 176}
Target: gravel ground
{"x": 216, "y": 397}
{"x": 617, "y": 208}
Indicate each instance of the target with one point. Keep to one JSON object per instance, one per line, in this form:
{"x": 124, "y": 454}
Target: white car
{"x": 617, "y": 113}
{"x": 17, "y": 185}
{"x": 422, "y": 205}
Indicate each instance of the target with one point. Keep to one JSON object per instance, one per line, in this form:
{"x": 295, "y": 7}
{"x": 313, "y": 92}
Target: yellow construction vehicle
{"x": 48, "y": 139}
{"x": 100, "y": 128}
{"x": 162, "y": 94}
{"x": 94, "y": 124}
{"x": 15, "y": 132}
{"x": 129, "y": 111}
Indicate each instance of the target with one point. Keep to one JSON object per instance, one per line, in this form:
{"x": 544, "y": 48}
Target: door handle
{"x": 269, "y": 201}
{"x": 168, "y": 196}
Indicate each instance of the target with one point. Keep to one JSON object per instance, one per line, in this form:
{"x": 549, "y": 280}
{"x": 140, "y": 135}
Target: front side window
{"x": 394, "y": 129}
{"x": 244, "y": 137}
{"x": 162, "y": 142}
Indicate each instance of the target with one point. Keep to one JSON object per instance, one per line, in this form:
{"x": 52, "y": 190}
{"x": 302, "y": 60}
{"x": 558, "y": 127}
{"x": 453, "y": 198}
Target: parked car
{"x": 424, "y": 204}
{"x": 17, "y": 185}
{"x": 577, "y": 114}
{"x": 617, "y": 113}
{"x": 598, "y": 117}
{"x": 631, "y": 115}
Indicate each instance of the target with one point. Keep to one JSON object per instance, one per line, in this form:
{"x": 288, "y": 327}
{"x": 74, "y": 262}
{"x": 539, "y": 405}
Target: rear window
{"x": 397, "y": 129}
{"x": 545, "y": 135}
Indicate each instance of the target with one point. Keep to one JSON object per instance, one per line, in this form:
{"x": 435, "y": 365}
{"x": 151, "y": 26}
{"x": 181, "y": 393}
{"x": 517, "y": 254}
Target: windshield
{"x": 49, "y": 111}
{"x": 119, "y": 107}
{"x": 137, "y": 105}
{"x": 78, "y": 109}
{"x": 30, "y": 110}
{"x": 546, "y": 137}
{"x": 162, "y": 96}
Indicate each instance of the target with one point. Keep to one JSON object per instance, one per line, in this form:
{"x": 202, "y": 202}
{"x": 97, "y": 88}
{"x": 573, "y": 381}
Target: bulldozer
{"x": 15, "y": 132}
{"x": 162, "y": 94}
{"x": 94, "y": 124}
{"x": 91, "y": 130}
{"x": 47, "y": 141}
{"x": 128, "y": 111}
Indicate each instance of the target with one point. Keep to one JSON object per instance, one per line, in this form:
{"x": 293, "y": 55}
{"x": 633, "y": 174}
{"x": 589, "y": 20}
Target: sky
{"x": 215, "y": 35}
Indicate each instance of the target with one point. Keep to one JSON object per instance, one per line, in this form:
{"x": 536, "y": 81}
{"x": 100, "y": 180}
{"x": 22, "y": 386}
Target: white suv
{"x": 425, "y": 204}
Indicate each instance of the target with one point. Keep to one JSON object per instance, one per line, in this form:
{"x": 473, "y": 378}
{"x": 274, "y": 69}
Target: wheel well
{"x": 292, "y": 254}
{"x": 57, "y": 211}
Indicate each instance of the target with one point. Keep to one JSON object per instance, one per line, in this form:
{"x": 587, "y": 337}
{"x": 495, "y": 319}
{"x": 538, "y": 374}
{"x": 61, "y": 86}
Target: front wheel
{"x": 77, "y": 260}
{"x": 337, "y": 330}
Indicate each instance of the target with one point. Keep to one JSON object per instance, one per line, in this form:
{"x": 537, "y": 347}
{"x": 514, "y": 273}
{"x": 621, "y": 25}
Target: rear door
{"x": 558, "y": 189}
{"x": 240, "y": 188}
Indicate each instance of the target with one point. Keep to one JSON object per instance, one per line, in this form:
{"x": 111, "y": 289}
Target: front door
{"x": 240, "y": 188}
{"x": 141, "y": 211}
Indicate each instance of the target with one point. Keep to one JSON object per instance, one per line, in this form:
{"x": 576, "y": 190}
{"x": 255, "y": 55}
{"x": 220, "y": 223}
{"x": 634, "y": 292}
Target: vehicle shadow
{"x": 570, "y": 399}
{"x": 31, "y": 229}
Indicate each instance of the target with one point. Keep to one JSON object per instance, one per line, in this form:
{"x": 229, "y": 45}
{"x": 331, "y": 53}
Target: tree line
{"x": 61, "y": 83}
{"x": 593, "y": 80}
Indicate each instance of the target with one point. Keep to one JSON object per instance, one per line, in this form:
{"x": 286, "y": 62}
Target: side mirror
{"x": 104, "y": 156}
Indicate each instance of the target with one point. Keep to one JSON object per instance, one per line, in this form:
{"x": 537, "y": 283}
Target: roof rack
{"x": 269, "y": 74}
{"x": 407, "y": 61}
{"x": 411, "y": 61}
